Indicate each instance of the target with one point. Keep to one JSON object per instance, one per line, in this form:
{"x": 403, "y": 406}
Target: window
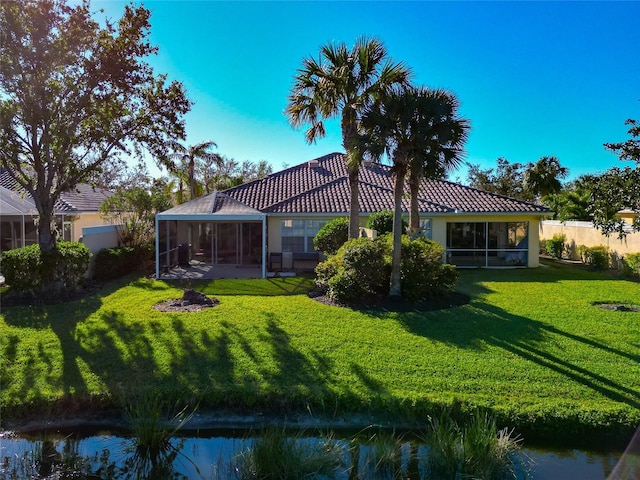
{"x": 487, "y": 244}
{"x": 425, "y": 226}
{"x": 298, "y": 235}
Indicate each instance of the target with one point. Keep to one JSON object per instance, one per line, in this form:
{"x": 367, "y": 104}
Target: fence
{"x": 583, "y": 233}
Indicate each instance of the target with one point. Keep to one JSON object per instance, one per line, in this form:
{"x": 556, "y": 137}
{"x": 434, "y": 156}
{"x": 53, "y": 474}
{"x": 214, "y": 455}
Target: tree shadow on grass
{"x": 479, "y": 325}
{"x": 112, "y": 356}
{"x": 257, "y": 287}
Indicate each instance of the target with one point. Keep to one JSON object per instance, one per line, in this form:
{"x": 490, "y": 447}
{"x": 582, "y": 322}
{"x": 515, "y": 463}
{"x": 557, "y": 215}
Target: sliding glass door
{"x": 487, "y": 244}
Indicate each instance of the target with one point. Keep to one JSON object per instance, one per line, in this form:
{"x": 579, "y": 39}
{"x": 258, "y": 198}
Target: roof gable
{"x": 216, "y": 203}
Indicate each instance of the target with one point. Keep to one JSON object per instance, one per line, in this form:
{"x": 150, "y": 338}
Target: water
{"x": 107, "y": 455}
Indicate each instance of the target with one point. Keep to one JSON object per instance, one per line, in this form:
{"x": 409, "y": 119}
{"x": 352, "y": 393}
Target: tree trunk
{"x": 354, "y": 205}
{"x": 349, "y": 141}
{"x": 396, "y": 259}
{"x": 414, "y": 212}
{"x": 46, "y": 235}
{"x": 191, "y": 175}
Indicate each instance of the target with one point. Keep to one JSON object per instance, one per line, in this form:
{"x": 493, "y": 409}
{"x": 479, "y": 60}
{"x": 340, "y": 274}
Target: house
{"x": 18, "y": 215}
{"x": 277, "y": 217}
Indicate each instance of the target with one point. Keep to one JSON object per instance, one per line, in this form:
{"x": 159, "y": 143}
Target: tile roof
{"x": 84, "y": 198}
{"x": 325, "y": 189}
{"x": 12, "y": 203}
{"x": 216, "y": 203}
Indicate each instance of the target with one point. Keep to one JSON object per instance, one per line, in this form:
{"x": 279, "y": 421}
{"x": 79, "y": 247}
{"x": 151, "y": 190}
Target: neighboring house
{"x": 18, "y": 215}
{"x": 279, "y": 215}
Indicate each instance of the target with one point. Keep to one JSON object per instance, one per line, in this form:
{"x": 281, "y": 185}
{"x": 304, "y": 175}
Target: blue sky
{"x": 534, "y": 78}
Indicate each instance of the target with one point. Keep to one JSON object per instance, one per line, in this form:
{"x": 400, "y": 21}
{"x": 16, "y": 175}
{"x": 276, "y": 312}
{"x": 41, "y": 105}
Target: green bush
{"x": 556, "y": 246}
{"x": 423, "y": 274}
{"x": 357, "y": 271}
{"x": 582, "y": 253}
{"x": 332, "y": 236}
{"x": 597, "y": 257}
{"x": 361, "y": 270}
{"x": 632, "y": 264}
{"x": 382, "y": 222}
{"x": 28, "y": 269}
{"x": 113, "y": 263}
{"x": 21, "y": 267}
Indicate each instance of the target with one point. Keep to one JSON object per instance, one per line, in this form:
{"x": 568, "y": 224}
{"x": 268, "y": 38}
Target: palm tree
{"x": 341, "y": 83}
{"x": 441, "y": 146}
{"x": 419, "y": 130}
{"x": 543, "y": 177}
{"x": 399, "y": 126}
{"x": 184, "y": 158}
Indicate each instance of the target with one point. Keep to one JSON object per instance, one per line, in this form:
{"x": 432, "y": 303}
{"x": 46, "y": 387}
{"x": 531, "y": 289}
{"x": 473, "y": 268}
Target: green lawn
{"x": 528, "y": 344}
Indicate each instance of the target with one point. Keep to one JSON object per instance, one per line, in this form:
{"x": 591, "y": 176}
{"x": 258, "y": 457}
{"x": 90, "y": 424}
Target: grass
{"x": 528, "y": 346}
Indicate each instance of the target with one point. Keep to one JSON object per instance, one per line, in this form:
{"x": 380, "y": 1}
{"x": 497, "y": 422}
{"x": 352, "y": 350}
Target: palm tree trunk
{"x": 349, "y": 136}
{"x": 414, "y": 211}
{"x": 396, "y": 259}
{"x": 354, "y": 205}
{"x": 191, "y": 175}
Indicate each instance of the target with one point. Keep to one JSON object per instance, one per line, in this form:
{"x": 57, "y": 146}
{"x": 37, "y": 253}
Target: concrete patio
{"x": 205, "y": 271}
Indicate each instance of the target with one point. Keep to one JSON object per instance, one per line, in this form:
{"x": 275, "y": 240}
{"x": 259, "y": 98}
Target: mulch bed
{"x": 618, "y": 307}
{"x": 191, "y": 301}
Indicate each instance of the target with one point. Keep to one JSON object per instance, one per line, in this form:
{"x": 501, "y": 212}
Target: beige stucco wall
{"x": 83, "y": 220}
{"x": 439, "y": 229}
{"x": 583, "y": 233}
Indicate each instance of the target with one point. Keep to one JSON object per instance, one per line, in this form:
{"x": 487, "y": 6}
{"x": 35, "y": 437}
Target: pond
{"x": 221, "y": 454}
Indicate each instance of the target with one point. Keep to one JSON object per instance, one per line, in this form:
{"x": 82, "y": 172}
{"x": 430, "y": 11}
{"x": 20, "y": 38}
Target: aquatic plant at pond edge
{"x": 153, "y": 425}
{"x": 475, "y": 449}
{"x": 278, "y": 454}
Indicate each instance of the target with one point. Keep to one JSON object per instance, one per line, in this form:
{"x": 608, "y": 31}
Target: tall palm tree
{"x": 420, "y": 131}
{"x": 184, "y": 158}
{"x": 400, "y": 127}
{"x": 342, "y": 82}
{"x": 543, "y": 177}
{"x": 441, "y": 146}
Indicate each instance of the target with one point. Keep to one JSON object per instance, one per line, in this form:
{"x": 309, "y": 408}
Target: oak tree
{"x": 75, "y": 95}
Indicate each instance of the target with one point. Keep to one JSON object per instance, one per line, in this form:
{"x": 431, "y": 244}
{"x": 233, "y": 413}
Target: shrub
{"x": 556, "y": 246}
{"x": 112, "y": 263}
{"x": 582, "y": 253}
{"x": 332, "y": 236}
{"x": 28, "y": 269}
{"x": 423, "y": 274}
{"x": 361, "y": 270}
{"x": 632, "y": 264}
{"x": 357, "y": 271}
{"x": 21, "y": 267}
{"x": 597, "y": 257}
{"x": 382, "y": 222}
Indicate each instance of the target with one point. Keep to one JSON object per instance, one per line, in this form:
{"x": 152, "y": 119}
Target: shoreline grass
{"x": 527, "y": 345}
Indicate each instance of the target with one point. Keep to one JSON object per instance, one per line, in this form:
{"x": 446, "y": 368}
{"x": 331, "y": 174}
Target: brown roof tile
{"x": 325, "y": 189}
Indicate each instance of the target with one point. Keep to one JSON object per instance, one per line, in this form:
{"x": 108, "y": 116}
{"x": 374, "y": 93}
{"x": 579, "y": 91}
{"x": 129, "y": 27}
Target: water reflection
{"x": 209, "y": 456}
